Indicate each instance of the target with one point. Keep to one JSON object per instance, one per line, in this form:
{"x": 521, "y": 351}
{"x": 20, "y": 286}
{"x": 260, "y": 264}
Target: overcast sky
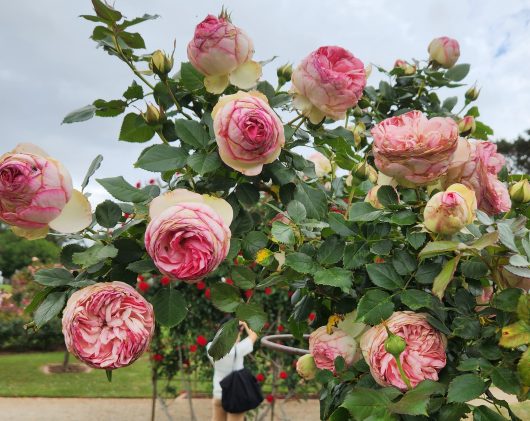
{"x": 49, "y": 66}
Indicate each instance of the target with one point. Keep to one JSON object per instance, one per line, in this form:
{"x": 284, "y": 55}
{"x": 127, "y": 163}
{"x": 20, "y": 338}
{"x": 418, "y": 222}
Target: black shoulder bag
{"x": 241, "y": 391}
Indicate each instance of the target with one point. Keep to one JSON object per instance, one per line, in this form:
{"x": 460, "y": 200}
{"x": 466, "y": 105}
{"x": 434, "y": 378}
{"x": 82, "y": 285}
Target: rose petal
{"x": 171, "y": 198}
{"x": 246, "y": 75}
{"x": 216, "y": 84}
{"x": 30, "y": 234}
{"x": 30, "y": 148}
{"x": 76, "y": 215}
{"x": 221, "y": 206}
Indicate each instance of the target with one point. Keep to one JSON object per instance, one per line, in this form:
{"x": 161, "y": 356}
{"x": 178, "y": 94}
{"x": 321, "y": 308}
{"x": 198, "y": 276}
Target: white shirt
{"x": 229, "y": 363}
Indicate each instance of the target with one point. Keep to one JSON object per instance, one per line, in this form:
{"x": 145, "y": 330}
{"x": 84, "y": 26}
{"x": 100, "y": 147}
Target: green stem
{"x": 161, "y": 135}
{"x": 402, "y": 373}
{"x": 129, "y": 63}
{"x": 298, "y": 117}
{"x": 179, "y": 108}
{"x": 298, "y": 126}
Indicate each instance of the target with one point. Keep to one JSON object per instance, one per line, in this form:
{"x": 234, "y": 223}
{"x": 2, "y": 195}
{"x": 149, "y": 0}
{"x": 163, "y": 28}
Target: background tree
{"x": 517, "y": 152}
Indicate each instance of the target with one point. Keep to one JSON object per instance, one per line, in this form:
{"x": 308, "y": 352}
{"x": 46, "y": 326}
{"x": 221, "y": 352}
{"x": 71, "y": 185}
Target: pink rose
{"x": 328, "y": 82}
{"x": 107, "y": 325}
{"x": 326, "y": 347}
{"x": 248, "y": 132}
{"x": 423, "y": 357}
{"x": 189, "y": 234}
{"x": 479, "y": 172}
{"x": 222, "y": 52}
{"x": 444, "y": 51}
{"x": 414, "y": 149}
{"x": 408, "y": 69}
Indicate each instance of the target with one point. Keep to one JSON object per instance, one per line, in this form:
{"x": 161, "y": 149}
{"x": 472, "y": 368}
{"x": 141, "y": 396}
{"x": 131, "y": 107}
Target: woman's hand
{"x": 251, "y": 334}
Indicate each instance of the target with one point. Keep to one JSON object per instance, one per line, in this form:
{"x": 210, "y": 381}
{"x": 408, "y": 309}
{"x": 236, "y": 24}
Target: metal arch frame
{"x": 267, "y": 342}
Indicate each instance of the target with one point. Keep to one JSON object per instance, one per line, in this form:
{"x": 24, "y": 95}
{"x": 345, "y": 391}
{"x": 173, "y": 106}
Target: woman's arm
{"x": 253, "y": 336}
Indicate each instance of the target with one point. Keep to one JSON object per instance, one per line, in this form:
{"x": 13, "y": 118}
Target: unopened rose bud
{"x": 306, "y": 367}
{"x": 444, "y": 52}
{"x": 472, "y": 93}
{"x": 359, "y": 133}
{"x": 284, "y": 73}
{"x": 467, "y": 125}
{"x": 395, "y": 344}
{"x": 449, "y": 211}
{"x": 161, "y": 64}
{"x": 153, "y": 115}
{"x": 520, "y": 191}
{"x": 366, "y": 171}
{"x": 408, "y": 69}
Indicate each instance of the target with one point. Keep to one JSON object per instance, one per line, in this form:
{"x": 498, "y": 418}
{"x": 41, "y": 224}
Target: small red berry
{"x": 270, "y": 398}
{"x": 165, "y": 280}
{"x": 268, "y": 291}
{"x": 249, "y": 293}
{"x": 201, "y": 285}
{"x": 266, "y": 325}
{"x": 283, "y": 375}
{"x": 158, "y": 357}
{"x": 260, "y": 377}
{"x": 140, "y": 278}
{"x": 126, "y": 215}
{"x": 229, "y": 281}
{"x": 280, "y": 328}
{"x": 201, "y": 340}
{"x": 193, "y": 348}
{"x": 152, "y": 181}
{"x": 138, "y": 184}
{"x": 143, "y": 286}
{"x": 379, "y": 260}
{"x": 312, "y": 316}
{"x": 207, "y": 293}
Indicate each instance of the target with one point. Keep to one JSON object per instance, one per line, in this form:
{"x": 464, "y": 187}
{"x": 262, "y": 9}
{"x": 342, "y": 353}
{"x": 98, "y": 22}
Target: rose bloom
{"x": 322, "y": 164}
{"x": 414, "y": 149}
{"x": 423, "y": 357}
{"x": 444, "y": 51}
{"x": 248, "y": 132}
{"x": 328, "y": 82}
{"x": 34, "y": 188}
{"x": 325, "y": 348}
{"x": 449, "y": 211}
{"x": 107, "y": 325}
{"x": 189, "y": 235}
{"x": 220, "y": 50}
{"x": 476, "y": 165}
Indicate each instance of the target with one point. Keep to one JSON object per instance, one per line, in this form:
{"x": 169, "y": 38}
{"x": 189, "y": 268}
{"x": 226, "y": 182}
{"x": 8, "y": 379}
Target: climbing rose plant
{"x": 397, "y": 234}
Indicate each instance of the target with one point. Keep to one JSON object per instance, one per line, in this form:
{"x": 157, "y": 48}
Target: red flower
{"x": 201, "y": 340}
{"x": 201, "y": 285}
{"x": 165, "y": 280}
{"x": 379, "y": 260}
{"x": 280, "y": 328}
{"x": 260, "y": 377}
{"x": 143, "y": 286}
{"x": 193, "y": 348}
{"x": 229, "y": 281}
{"x": 158, "y": 357}
{"x": 249, "y": 293}
{"x": 140, "y": 278}
{"x": 138, "y": 184}
{"x": 268, "y": 291}
{"x": 126, "y": 215}
{"x": 152, "y": 181}
{"x": 312, "y": 316}
{"x": 270, "y": 398}
{"x": 290, "y": 293}
{"x": 266, "y": 325}
{"x": 207, "y": 293}
{"x": 283, "y": 375}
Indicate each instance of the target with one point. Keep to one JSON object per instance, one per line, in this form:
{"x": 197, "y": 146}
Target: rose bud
{"x": 520, "y": 191}
{"x": 365, "y": 171}
{"x": 325, "y": 347}
{"x": 444, "y": 52}
{"x": 189, "y": 234}
{"x": 223, "y": 53}
{"x": 327, "y": 83}
{"x": 423, "y": 357}
{"x": 408, "y": 69}
{"x": 414, "y": 149}
{"x": 359, "y": 133}
{"x": 450, "y": 211}
{"x": 154, "y": 115}
{"x": 248, "y": 132}
{"x": 322, "y": 164}
{"x": 284, "y": 74}
{"x": 161, "y": 64}
{"x": 107, "y": 325}
{"x": 472, "y": 93}
{"x": 467, "y": 125}
{"x": 305, "y": 367}
{"x": 395, "y": 344}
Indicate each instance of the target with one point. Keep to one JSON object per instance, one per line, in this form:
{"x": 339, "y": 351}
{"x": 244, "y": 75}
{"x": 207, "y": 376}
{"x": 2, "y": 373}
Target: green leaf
{"x": 374, "y": 307}
{"x": 120, "y": 189}
{"x": 483, "y": 413}
{"x": 453, "y": 411}
{"x": 109, "y": 108}
{"x": 474, "y": 268}
{"x": 49, "y": 308}
{"x": 247, "y": 194}
{"x": 415, "y": 401}
{"x": 436, "y": 248}
{"x": 330, "y": 251}
{"x": 106, "y": 12}
{"x": 507, "y": 236}
{"x": 365, "y": 403}
{"x": 382, "y": 247}
{"x": 404, "y": 217}
{"x": 515, "y": 335}
{"x": 474, "y": 364}
{"x": 160, "y": 158}
{"x": 135, "y": 129}
{"x": 416, "y": 239}
{"x": 314, "y": 200}
{"x": 506, "y": 380}
{"x": 95, "y": 254}
{"x": 444, "y": 277}
{"x": 67, "y": 254}
{"x": 486, "y": 240}
{"x": 363, "y": 212}
{"x": 169, "y": 306}
{"x": 142, "y": 266}
{"x": 416, "y": 299}
{"x": 225, "y": 297}
{"x": 282, "y": 233}
{"x": 356, "y": 255}
{"x": 191, "y": 78}
{"x": 38, "y": 298}
{"x": 296, "y": 211}
{"x": 385, "y": 276}
{"x": 465, "y": 387}
{"x": 466, "y": 328}
{"x": 518, "y": 260}
{"x": 55, "y": 277}
{"x": 134, "y": 91}
{"x": 338, "y": 224}
{"x": 458, "y": 72}
{"x": 449, "y": 103}
{"x": 94, "y": 166}
{"x": 204, "y": 162}
{"x": 427, "y": 272}
{"x": 253, "y": 314}
{"x": 108, "y": 214}
{"x": 81, "y": 114}
{"x": 253, "y": 242}
{"x": 403, "y": 262}
{"x": 192, "y": 133}
{"x": 507, "y": 299}
{"x": 243, "y": 277}
{"x": 301, "y": 263}
{"x": 224, "y": 340}
{"x": 132, "y": 39}
{"x": 387, "y": 196}
{"x": 335, "y": 277}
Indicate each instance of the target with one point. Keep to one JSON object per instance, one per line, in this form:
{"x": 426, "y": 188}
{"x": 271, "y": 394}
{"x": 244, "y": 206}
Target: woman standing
{"x": 233, "y": 361}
